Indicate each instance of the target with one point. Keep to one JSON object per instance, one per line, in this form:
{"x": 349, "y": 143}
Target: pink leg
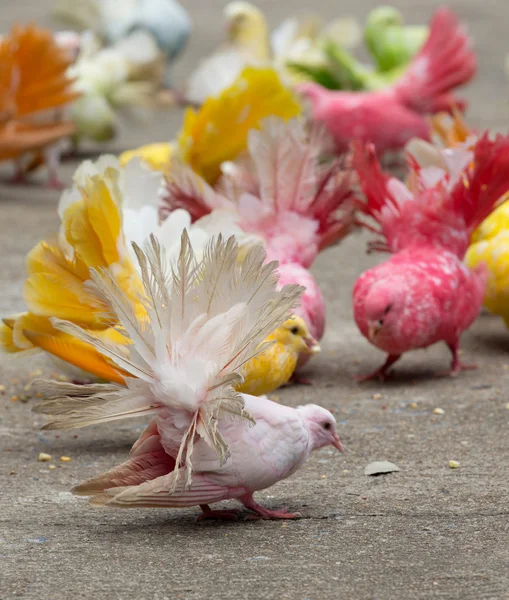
{"x": 456, "y": 364}
{"x": 297, "y": 379}
{"x": 224, "y": 515}
{"x": 381, "y": 372}
{"x": 264, "y": 513}
{"x": 52, "y": 158}
{"x": 19, "y": 177}
{"x": 54, "y": 183}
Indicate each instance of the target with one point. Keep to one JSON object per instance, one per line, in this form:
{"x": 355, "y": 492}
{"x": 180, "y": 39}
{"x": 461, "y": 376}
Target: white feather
{"x": 205, "y": 321}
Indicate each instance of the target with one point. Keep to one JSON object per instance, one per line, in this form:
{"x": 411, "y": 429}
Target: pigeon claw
{"x": 266, "y": 513}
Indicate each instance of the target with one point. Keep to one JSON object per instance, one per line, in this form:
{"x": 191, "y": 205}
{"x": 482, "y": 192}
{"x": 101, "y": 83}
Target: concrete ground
{"x": 427, "y": 531}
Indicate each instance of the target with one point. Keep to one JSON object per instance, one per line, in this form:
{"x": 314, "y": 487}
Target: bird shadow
{"x": 493, "y": 341}
{"x": 159, "y": 521}
{"x": 401, "y": 377}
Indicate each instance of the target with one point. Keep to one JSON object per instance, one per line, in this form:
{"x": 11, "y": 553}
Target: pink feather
{"x": 284, "y": 194}
{"x": 424, "y": 293}
{"x": 394, "y": 115}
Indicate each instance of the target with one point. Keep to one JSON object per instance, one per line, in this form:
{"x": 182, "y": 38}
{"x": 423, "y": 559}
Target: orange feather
{"x": 77, "y": 353}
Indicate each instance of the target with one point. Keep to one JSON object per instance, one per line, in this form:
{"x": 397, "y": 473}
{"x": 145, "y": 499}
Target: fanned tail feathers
{"x": 295, "y": 176}
{"x": 440, "y": 206}
{"x": 485, "y": 183}
{"x": 187, "y": 190}
{"x": 37, "y": 68}
{"x": 205, "y": 321}
{"x": 445, "y": 62}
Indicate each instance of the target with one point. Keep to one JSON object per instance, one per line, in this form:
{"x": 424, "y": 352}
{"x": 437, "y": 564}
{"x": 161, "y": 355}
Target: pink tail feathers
{"x": 333, "y": 207}
{"x": 186, "y": 190}
{"x": 477, "y": 193}
{"x": 445, "y": 62}
{"x": 372, "y": 180}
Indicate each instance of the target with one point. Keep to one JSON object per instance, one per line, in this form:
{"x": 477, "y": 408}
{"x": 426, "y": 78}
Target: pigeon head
{"x": 321, "y": 425}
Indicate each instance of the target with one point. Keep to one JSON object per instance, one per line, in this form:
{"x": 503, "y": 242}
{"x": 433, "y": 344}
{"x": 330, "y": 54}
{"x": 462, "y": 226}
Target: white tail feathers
{"x": 204, "y": 320}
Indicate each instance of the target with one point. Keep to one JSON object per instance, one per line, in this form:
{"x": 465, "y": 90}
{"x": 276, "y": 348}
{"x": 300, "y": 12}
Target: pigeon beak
{"x": 337, "y": 444}
{"x": 313, "y": 347}
{"x": 373, "y": 329}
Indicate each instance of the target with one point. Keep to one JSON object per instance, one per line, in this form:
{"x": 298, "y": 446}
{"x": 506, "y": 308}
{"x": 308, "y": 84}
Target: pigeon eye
{"x": 387, "y": 308}
{"x": 294, "y": 330}
{"x": 326, "y": 425}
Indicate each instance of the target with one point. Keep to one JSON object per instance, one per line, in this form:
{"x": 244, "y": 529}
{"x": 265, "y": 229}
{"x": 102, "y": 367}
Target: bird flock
{"x": 178, "y": 286}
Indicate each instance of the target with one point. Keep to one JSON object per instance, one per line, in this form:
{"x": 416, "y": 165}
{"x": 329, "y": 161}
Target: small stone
{"x": 413, "y": 405}
{"x": 438, "y": 411}
{"x": 52, "y": 467}
{"x": 44, "y": 457}
{"x": 454, "y": 464}
{"x": 14, "y": 398}
{"x": 2, "y": 389}
{"x": 323, "y": 476}
{"x": 346, "y": 471}
{"x": 12, "y": 472}
{"x": 376, "y": 396}
{"x": 65, "y": 459}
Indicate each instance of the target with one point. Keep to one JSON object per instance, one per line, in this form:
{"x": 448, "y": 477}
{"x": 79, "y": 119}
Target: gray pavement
{"x": 425, "y": 532}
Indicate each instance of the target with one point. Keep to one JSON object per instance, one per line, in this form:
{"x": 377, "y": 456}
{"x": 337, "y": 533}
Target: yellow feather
{"x": 248, "y": 30}
{"x": 54, "y": 288}
{"x": 92, "y": 225}
{"x": 218, "y": 131}
{"x": 156, "y": 156}
{"x": 275, "y": 366}
{"x": 6, "y": 339}
{"x": 490, "y": 246}
{"x": 269, "y": 371}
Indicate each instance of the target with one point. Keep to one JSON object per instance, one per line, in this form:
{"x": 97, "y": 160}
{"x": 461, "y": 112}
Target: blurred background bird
{"x": 391, "y": 43}
{"x": 35, "y": 91}
{"x": 247, "y": 44}
{"x": 164, "y": 21}
{"x": 330, "y": 61}
{"x": 123, "y": 79}
{"x": 218, "y": 130}
{"x": 392, "y": 116}
{"x": 250, "y": 43}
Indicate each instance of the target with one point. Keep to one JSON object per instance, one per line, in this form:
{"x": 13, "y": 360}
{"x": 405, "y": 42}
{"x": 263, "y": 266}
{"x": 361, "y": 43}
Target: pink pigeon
{"x": 390, "y": 117}
{"x": 206, "y": 442}
{"x": 424, "y": 293}
{"x": 283, "y": 195}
